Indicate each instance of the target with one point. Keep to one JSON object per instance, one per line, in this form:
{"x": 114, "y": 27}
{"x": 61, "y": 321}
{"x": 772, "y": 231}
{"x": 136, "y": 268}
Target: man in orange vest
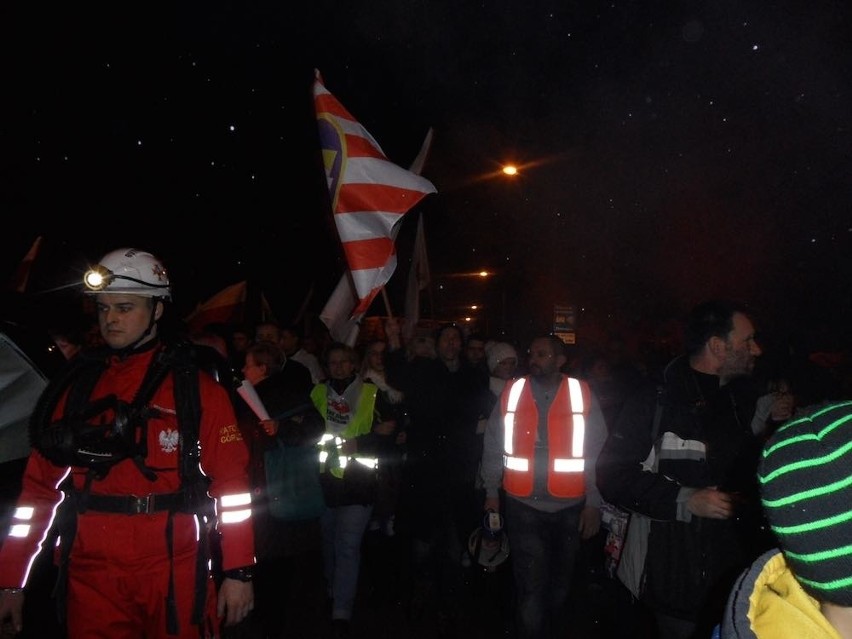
{"x": 541, "y": 443}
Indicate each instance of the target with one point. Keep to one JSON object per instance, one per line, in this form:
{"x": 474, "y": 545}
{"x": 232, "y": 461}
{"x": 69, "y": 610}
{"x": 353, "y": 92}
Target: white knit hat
{"x": 496, "y": 352}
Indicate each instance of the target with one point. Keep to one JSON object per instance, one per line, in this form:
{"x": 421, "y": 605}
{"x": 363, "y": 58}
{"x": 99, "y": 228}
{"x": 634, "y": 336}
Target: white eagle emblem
{"x": 168, "y": 440}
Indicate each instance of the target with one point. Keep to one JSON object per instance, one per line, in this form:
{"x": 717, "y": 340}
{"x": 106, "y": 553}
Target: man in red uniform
{"x": 136, "y": 479}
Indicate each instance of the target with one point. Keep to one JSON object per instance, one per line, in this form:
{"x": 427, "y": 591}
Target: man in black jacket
{"x": 697, "y": 485}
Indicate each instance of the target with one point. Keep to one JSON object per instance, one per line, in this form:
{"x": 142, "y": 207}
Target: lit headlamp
{"x": 98, "y": 278}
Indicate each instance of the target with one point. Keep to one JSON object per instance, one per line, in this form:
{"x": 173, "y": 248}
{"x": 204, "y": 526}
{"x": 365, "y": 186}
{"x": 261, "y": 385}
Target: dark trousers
{"x": 543, "y": 548}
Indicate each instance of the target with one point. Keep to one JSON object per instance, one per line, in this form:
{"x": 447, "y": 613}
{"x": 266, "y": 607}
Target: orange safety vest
{"x": 566, "y": 429}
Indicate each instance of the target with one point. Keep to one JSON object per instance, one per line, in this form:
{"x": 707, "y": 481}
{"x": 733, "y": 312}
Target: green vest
{"x": 360, "y": 423}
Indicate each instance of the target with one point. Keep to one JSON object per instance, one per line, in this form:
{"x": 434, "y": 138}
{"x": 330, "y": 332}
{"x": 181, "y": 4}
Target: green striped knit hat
{"x": 805, "y": 478}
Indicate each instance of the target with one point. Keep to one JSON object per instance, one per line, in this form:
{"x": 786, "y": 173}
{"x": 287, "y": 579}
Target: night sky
{"x": 667, "y": 154}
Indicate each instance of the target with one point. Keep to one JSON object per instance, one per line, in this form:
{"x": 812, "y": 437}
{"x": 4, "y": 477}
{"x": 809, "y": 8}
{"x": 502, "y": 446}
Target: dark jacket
{"x": 704, "y": 439}
{"x": 300, "y": 424}
{"x": 444, "y": 407}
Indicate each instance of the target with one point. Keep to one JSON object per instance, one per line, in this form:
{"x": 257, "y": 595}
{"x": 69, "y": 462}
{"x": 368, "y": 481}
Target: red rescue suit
{"x": 566, "y": 426}
{"x": 120, "y": 567}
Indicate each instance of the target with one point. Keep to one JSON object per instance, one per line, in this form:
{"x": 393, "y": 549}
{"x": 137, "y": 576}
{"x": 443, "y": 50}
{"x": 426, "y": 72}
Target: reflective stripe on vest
{"x": 329, "y": 445}
{"x": 330, "y": 442}
{"x": 566, "y": 428}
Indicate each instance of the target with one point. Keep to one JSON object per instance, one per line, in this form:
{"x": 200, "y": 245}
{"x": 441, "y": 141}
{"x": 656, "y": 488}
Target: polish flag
{"x": 225, "y": 307}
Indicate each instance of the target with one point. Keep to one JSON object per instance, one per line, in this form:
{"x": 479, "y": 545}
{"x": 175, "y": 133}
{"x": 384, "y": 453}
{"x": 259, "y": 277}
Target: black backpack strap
{"x": 194, "y": 484}
{"x": 171, "y": 603}
{"x": 66, "y": 529}
{"x": 79, "y": 378}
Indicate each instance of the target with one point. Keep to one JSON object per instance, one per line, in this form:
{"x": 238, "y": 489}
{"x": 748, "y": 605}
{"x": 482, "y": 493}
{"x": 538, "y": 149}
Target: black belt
{"x": 134, "y": 504}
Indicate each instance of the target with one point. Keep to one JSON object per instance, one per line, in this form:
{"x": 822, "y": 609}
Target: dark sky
{"x": 670, "y": 151}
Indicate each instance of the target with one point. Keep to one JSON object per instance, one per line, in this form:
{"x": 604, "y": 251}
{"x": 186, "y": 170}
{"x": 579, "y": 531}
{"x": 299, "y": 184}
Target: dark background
{"x": 669, "y": 151}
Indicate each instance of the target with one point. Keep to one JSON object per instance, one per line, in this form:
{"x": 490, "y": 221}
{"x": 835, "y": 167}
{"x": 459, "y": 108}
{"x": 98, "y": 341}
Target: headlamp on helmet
{"x": 128, "y": 271}
{"x": 97, "y": 278}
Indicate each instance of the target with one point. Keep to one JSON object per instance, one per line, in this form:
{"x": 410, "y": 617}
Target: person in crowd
{"x": 608, "y": 389}
{"x": 421, "y": 344}
{"x": 295, "y": 374}
{"x": 239, "y": 340}
{"x": 502, "y": 360}
{"x": 130, "y": 444}
{"x": 682, "y": 458}
{"x": 802, "y": 587}
{"x": 373, "y": 371}
{"x": 349, "y": 449}
{"x": 383, "y": 572}
{"x": 474, "y": 353}
{"x": 288, "y": 575}
{"x": 267, "y": 331}
{"x": 69, "y": 341}
{"x": 774, "y": 407}
{"x": 438, "y": 505}
{"x": 541, "y": 444}
{"x": 291, "y": 343}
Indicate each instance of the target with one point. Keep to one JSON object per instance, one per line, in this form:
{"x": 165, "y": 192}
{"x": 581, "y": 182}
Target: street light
{"x": 460, "y": 300}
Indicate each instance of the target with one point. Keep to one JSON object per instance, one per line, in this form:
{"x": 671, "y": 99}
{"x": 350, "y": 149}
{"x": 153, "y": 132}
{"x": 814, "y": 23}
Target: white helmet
{"x": 488, "y": 545}
{"x": 129, "y": 270}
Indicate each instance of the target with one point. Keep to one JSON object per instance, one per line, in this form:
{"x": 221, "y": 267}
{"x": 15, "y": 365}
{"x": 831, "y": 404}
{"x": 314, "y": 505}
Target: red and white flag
{"x": 225, "y": 307}
{"x": 369, "y": 195}
{"x": 21, "y": 277}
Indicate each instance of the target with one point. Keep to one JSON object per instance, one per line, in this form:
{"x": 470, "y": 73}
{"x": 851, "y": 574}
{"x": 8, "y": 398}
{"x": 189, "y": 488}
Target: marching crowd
{"x": 245, "y": 482}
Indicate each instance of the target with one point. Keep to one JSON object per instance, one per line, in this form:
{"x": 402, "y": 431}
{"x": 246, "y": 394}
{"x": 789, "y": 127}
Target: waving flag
{"x": 225, "y": 307}
{"x": 337, "y": 314}
{"x": 21, "y": 277}
{"x": 369, "y": 195}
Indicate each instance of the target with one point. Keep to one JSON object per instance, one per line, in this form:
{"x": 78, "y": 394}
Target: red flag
{"x": 369, "y": 195}
{"x": 21, "y": 277}
{"x": 225, "y": 307}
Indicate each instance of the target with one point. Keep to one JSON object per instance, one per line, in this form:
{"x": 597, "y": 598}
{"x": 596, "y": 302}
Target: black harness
{"x": 74, "y": 441}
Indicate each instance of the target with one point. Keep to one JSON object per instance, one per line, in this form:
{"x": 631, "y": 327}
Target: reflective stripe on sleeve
{"x": 233, "y": 508}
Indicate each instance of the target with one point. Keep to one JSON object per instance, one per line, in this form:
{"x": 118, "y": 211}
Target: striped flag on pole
{"x": 369, "y": 195}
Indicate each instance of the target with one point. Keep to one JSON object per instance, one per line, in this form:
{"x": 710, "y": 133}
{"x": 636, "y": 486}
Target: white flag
{"x": 337, "y": 312}
{"x": 418, "y": 279}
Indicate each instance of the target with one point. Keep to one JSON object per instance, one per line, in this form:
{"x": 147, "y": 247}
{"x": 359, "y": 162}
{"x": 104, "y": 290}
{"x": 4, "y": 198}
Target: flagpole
{"x": 387, "y": 303}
